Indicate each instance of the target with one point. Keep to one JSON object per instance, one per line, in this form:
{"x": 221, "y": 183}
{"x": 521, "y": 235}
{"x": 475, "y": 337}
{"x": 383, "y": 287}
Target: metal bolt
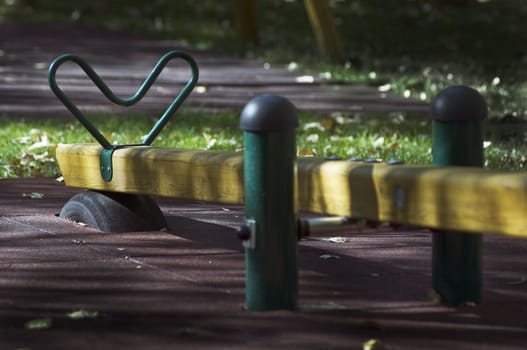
{"x": 244, "y": 232}
{"x": 395, "y": 162}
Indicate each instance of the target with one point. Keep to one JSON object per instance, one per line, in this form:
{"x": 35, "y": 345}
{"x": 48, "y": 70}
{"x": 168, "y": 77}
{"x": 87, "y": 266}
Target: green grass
{"x": 412, "y": 48}
{"x": 29, "y": 149}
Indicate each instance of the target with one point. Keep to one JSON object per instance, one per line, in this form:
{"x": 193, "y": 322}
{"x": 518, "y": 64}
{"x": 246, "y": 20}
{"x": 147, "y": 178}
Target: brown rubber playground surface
{"x": 184, "y": 288}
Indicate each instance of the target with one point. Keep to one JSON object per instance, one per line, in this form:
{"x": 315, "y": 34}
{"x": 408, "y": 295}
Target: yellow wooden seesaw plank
{"x": 454, "y": 198}
{"x": 210, "y": 176}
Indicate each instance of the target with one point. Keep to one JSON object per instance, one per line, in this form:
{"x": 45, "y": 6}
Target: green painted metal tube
{"x": 270, "y": 232}
{"x": 107, "y": 92}
{"x": 108, "y": 147}
{"x": 457, "y": 114}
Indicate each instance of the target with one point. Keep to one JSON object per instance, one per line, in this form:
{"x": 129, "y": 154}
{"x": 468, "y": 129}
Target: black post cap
{"x": 459, "y": 103}
{"x": 269, "y": 113}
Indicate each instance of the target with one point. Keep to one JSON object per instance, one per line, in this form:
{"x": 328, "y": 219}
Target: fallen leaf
{"x": 325, "y": 307}
{"x": 211, "y": 143}
{"x": 305, "y": 79}
{"x": 306, "y": 152}
{"x": 33, "y": 195}
{"x": 38, "y": 323}
{"x": 329, "y": 256}
{"x": 328, "y": 123}
{"x": 384, "y": 88}
{"x": 379, "y": 142}
{"x": 313, "y": 138}
{"x": 42, "y": 143}
{"x": 82, "y": 314}
{"x": 374, "y": 344}
{"x": 313, "y": 125}
{"x": 200, "y": 89}
{"x": 44, "y": 65}
{"x": 337, "y": 239}
{"x": 23, "y": 140}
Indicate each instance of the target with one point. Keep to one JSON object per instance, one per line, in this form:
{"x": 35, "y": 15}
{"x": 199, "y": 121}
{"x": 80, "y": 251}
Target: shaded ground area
{"x": 123, "y": 60}
{"x": 185, "y": 287}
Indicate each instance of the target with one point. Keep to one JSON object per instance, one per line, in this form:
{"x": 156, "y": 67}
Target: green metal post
{"x": 270, "y": 232}
{"x": 457, "y": 114}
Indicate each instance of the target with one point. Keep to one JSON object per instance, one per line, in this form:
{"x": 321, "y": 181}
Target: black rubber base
{"x": 114, "y": 212}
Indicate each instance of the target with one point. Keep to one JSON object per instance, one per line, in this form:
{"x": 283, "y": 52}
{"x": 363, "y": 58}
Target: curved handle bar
{"x": 143, "y": 89}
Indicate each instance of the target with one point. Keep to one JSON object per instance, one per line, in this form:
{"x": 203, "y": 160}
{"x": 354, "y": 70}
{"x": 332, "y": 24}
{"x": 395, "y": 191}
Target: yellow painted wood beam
{"x": 451, "y": 198}
{"x": 199, "y": 175}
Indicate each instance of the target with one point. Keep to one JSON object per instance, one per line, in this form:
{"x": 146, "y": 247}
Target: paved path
{"x": 184, "y": 288}
{"x": 124, "y": 60}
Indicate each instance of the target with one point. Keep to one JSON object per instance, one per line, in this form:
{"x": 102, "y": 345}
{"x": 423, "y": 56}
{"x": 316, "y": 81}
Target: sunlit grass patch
{"x": 383, "y": 137}
{"x": 29, "y": 147}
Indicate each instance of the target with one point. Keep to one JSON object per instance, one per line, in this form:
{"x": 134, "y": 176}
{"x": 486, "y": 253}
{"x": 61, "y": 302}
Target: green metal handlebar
{"x": 143, "y": 89}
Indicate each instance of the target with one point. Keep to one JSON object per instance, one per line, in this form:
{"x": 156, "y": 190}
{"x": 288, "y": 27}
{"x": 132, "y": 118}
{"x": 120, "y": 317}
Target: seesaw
{"x": 456, "y": 199}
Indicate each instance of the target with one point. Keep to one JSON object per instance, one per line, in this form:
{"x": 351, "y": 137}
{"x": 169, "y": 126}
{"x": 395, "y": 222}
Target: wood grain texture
{"x": 200, "y": 175}
{"x": 451, "y": 198}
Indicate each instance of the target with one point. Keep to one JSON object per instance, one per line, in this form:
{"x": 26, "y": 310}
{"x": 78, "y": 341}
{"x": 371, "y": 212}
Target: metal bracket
{"x": 106, "y": 164}
{"x": 251, "y": 242}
